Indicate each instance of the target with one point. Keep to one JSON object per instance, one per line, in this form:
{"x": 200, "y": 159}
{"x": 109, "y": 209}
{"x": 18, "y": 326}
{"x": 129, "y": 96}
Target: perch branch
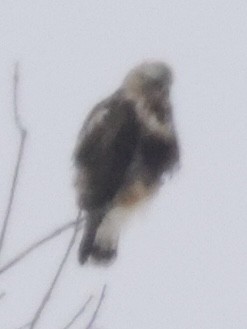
{"x": 23, "y": 134}
{"x": 96, "y": 312}
{"x": 57, "y": 276}
{"x": 38, "y": 244}
{"x": 78, "y": 314}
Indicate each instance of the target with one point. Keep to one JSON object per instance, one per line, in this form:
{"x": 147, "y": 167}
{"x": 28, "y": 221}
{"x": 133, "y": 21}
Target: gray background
{"x": 183, "y": 259}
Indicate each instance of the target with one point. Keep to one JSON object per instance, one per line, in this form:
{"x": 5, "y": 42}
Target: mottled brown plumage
{"x": 127, "y": 143}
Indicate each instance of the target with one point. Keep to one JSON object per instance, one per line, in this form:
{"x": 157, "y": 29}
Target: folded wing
{"x": 106, "y": 147}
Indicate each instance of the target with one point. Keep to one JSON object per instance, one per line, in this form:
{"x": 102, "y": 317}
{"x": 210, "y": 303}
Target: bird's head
{"x": 151, "y": 79}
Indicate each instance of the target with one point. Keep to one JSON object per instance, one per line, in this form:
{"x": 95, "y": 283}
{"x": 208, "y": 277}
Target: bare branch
{"x": 23, "y": 134}
{"x": 95, "y": 314}
{"x": 38, "y": 244}
{"x": 54, "y": 281}
{"x": 2, "y": 295}
{"x": 18, "y": 123}
{"x": 78, "y": 314}
{"x": 74, "y": 224}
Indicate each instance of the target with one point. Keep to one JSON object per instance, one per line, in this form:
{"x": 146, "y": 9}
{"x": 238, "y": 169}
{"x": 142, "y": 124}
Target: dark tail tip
{"x": 84, "y": 252}
{"x": 103, "y": 256}
{"x": 86, "y": 246}
{"x": 99, "y": 255}
{"x": 89, "y": 247}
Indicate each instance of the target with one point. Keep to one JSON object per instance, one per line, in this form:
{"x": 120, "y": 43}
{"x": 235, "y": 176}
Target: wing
{"x": 105, "y": 151}
{"x": 159, "y": 155}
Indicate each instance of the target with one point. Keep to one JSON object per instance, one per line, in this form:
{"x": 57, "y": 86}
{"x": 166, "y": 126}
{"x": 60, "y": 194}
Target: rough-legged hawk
{"x": 127, "y": 143}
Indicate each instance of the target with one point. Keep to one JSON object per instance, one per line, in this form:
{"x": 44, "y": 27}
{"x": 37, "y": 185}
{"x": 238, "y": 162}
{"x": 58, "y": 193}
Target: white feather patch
{"x": 95, "y": 120}
{"x": 108, "y": 233}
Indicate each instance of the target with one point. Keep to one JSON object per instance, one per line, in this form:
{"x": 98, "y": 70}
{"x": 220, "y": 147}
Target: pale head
{"x": 149, "y": 78}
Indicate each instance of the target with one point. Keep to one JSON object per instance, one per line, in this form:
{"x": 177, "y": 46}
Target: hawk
{"x": 126, "y": 145}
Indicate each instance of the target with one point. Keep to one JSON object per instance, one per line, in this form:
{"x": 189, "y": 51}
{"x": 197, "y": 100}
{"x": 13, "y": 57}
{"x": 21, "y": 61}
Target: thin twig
{"x": 54, "y": 281}
{"x": 23, "y": 134}
{"x": 78, "y": 314}
{"x": 95, "y": 314}
{"x": 17, "y": 119}
{"x": 38, "y": 244}
{"x": 2, "y": 295}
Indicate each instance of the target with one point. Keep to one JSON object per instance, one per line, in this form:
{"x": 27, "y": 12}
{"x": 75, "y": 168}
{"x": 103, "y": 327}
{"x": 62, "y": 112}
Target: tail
{"x": 86, "y": 245}
{"x": 98, "y": 240}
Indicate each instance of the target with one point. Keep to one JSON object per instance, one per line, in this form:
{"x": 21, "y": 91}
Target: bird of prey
{"x": 126, "y": 145}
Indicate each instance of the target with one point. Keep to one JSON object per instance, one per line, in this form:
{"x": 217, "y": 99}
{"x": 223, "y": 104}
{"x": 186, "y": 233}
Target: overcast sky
{"x": 183, "y": 259}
